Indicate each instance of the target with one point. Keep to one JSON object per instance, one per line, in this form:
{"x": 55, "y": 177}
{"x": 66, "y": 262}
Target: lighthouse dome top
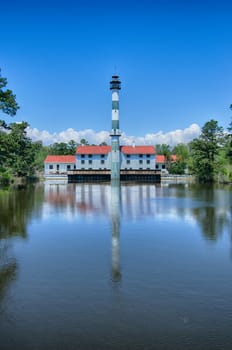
{"x": 115, "y": 83}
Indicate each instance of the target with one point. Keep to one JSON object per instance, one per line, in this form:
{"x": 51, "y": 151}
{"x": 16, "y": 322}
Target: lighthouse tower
{"x": 115, "y": 86}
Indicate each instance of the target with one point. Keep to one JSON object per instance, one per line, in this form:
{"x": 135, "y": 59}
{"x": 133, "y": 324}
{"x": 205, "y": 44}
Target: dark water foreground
{"x": 99, "y": 267}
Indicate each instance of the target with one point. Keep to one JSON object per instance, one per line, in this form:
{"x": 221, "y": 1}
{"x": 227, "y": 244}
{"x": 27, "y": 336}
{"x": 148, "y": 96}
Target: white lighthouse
{"x": 115, "y": 86}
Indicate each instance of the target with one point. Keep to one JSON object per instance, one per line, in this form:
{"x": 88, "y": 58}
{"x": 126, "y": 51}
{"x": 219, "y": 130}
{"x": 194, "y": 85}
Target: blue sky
{"x": 174, "y": 59}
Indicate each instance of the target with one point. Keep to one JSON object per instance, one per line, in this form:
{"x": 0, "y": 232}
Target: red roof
{"x": 162, "y": 159}
{"x": 93, "y": 149}
{"x": 60, "y": 159}
{"x": 138, "y": 149}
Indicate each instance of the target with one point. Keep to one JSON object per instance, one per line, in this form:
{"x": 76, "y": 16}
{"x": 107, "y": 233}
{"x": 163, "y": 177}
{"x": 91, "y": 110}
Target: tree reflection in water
{"x": 17, "y": 206}
{"x": 211, "y": 207}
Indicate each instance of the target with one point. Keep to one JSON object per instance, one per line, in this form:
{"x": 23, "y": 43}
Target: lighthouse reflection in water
{"x": 115, "y": 222}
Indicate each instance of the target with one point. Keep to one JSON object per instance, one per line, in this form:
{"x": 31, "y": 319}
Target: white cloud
{"x": 171, "y": 137}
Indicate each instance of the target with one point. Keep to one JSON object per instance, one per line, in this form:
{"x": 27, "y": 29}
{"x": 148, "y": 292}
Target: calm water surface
{"x": 92, "y": 266}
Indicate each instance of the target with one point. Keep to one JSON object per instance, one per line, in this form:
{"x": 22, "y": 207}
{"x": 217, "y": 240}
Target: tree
{"x": 8, "y": 102}
{"x": 21, "y": 151}
{"x": 163, "y": 149}
{"x": 40, "y": 152}
{"x": 84, "y": 142}
{"x": 182, "y": 156}
{"x": 205, "y": 151}
{"x": 63, "y": 148}
{"x": 72, "y": 145}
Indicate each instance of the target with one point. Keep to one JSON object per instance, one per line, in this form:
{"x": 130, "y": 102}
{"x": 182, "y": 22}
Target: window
{"x": 115, "y": 105}
{"x": 140, "y": 161}
{"x": 90, "y": 155}
{"x": 50, "y": 166}
{"x": 128, "y": 162}
{"x": 140, "y": 156}
{"x": 68, "y": 167}
{"x": 148, "y": 161}
{"x": 163, "y": 166}
{"x": 102, "y": 161}
{"x": 157, "y": 166}
{"x": 90, "y": 161}
{"x": 82, "y": 156}
{"x": 102, "y": 156}
{"x": 148, "y": 155}
{"x": 82, "y": 162}
{"x": 128, "y": 155}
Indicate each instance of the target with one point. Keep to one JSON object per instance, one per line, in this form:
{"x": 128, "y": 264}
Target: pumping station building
{"x": 105, "y": 163}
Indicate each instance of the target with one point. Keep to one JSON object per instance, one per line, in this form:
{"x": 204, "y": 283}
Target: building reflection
{"x": 208, "y": 207}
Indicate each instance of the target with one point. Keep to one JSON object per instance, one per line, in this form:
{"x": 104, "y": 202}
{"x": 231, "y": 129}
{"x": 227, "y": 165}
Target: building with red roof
{"x": 115, "y": 162}
{"x": 162, "y": 161}
{"x": 54, "y": 164}
{"x": 131, "y": 157}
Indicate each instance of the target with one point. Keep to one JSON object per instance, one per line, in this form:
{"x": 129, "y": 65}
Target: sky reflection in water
{"x": 92, "y": 265}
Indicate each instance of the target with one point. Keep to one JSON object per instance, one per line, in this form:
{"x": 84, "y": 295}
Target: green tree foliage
{"x": 229, "y": 142}
{"x": 63, "y": 148}
{"x": 205, "y": 152}
{"x": 21, "y": 149}
{"x": 164, "y": 149}
{"x": 84, "y": 142}
{"x": 40, "y": 152}
{"x": 17, "y": 152}
{"x": 8, "y": 102}
{"x": 180, "y": 166}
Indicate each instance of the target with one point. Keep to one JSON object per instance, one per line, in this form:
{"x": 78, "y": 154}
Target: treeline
{"x": 20, "y": 157}
{"x": 208, "y": 157}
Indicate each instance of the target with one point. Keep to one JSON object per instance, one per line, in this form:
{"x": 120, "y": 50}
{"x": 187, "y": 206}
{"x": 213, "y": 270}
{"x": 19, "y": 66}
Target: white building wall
{"x": 58, "y": 168}
{"x": 132, "y": 161}
{"x": 137, "y": 162}
{"x": 94, "y": 161}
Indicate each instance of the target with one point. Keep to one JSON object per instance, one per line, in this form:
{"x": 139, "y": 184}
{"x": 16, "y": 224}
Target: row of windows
{"x": 90, "y": 155}
{"x": 140, "y": 155}
{"x": 108, "y": 169}
{"x": 58, "y": 167}
{"x": 157, "y": 166}
{"x": 140, "y": 161}
{"x": 90, "y": 161}
{"x": 103, "y": 155}
{"x": 102, "y": 162}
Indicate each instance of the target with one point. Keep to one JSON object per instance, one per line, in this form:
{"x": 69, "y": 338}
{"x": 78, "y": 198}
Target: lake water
{"x": 95, "y": 266}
